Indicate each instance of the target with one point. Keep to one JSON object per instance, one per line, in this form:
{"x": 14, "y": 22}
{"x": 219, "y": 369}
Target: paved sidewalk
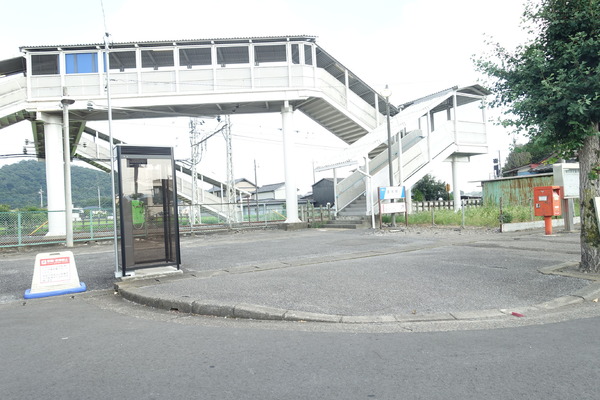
{"x": 365, "y": 276}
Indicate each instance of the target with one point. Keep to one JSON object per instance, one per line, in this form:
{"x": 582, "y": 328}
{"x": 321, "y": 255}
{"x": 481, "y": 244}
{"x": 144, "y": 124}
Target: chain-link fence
{"x": 24, "y": 228}
{"x": 206, "y": 217}
{"x": 21, "y": 228}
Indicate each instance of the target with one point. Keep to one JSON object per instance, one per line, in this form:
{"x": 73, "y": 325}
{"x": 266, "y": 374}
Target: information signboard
{"x": 390, "y": 208}
{"x": 387, "y": 205}
{"x": 567, "y": 176}
{"x": 392, "y": 192}
{"x": 54, "y": 274}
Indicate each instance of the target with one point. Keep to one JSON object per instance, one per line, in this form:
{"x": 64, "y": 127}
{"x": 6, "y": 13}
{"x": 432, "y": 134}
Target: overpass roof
{"x": 323, "y": 59}
{"x": 161, "y": 43}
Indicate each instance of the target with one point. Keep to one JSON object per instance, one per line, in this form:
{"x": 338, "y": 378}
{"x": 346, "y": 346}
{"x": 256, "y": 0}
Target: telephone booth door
{"x": 148, "y": 216}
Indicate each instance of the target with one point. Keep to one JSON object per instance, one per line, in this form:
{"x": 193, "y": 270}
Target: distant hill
{"x": 20, "y": 185}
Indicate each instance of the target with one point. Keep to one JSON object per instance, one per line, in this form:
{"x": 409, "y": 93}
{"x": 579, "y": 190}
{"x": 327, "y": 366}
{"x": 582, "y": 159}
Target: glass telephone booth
{"x": 148, "y": 217}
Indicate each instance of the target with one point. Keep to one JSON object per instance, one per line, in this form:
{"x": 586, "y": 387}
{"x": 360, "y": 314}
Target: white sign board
{"x": 597, "y": 207}
{"x": 567, "y": 176}
{"x": 391, "y": 192}
{"x": 391, "y": 208}
{"x": 54, "y": 274}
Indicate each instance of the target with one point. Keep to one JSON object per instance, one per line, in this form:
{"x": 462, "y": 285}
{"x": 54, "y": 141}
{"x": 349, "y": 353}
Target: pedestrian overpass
{"x": 204, "y": 78}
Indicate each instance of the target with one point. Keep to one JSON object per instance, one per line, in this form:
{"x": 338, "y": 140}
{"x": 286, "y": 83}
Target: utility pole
{"x": 387, "y": 92}
{"x": 230, "y": 182}
{"x": 41, "y": 192}
{"x": 194, "y": 145}
{"x": 256, "y": 189}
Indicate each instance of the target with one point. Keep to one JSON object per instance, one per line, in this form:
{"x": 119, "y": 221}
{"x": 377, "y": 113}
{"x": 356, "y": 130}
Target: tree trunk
{"x": 589, "y": 188}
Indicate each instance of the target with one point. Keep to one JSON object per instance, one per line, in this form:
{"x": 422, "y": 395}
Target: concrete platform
{"x": 370, "y": 276}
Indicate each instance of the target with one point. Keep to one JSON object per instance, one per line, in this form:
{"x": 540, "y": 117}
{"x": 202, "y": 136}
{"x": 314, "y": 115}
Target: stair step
{"x": 340, "y": 226}
{"x": 346, "y": 222}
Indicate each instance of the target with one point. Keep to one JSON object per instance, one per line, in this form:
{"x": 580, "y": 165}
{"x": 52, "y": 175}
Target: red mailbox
{"x": 547, "y": 200}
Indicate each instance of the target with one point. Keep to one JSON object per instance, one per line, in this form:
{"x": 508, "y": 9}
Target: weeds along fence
{"x": 475, "y": 214}
{"x": 420, "y": 206}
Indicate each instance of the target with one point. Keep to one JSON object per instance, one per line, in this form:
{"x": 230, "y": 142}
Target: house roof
{"x": 244, "y": 180}
{"x": 218, "y": 188}
{"x": 507, "y": 178}
{"x": 271, "y": 188}
{"x": 328, "y": 180}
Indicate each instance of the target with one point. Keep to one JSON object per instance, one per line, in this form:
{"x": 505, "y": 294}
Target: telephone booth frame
{"x": 148, "y": 216}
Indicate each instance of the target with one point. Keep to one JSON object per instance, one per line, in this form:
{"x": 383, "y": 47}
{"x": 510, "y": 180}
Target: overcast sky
{"x": 417, "y": 47}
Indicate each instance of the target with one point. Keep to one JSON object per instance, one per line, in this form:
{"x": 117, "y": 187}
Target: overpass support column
{"x": 55, "y": 178}
{"x": 455, "y": 184}
{"x": 408, "y": 199}
{"x": 291, "y": 197}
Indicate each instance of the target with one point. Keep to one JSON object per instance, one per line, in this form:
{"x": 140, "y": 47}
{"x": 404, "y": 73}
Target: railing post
{"x": 19, "y": 228}
{"x": 199, "y": 215}
{"x": 91, "y": 225}
{"x": 265, "y": 212}
{"x": 501, "y": 217}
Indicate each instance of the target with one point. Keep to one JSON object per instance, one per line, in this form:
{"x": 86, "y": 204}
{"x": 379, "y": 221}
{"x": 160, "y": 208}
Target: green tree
{"x": 532, "y": 152}
{"x": 20, "y": 185}
{"x": 516, "y": 158}
{"x": 428, "y": 189}
{"x": 550, "y": 88}
{"x": 4, "y": 208}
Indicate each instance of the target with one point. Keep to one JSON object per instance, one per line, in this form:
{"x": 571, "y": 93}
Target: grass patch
{"x": 474, "y": 216}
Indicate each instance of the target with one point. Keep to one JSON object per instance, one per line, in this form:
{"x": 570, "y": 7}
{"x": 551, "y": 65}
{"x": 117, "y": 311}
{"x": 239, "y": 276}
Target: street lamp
{"x": 67, "y": 170}
{"x": 118, "y": 273}
{"x": 387, "y": 92}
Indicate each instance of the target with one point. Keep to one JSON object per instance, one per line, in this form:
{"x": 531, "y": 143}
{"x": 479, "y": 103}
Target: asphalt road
{"x": 97, "y": 346}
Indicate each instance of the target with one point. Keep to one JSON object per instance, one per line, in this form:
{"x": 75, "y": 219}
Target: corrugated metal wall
{"x": 516, "y": 190}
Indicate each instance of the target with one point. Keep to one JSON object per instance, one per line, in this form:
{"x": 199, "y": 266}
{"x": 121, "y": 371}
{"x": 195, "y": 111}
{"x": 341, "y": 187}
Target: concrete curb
{"x": 523, "y": 226}
{"x": 188, "y": 305}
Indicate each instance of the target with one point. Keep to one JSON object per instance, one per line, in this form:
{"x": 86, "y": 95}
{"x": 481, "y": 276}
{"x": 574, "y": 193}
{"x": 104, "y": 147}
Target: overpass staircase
{"x": 93, "y": 148}
{"x": 420, "y": 149}
{"x": 307, "y": 79}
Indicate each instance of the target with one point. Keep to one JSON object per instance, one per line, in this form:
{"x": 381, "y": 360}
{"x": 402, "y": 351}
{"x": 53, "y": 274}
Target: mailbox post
{"x": 547, "y": 203}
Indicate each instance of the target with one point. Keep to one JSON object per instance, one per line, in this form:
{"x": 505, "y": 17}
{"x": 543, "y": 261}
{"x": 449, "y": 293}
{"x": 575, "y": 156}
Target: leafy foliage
{"x": 551, "y": 85}
{"x": 532, "y": 152}
{"x": 20, "y": 185}
{"x": 429, "y": 189}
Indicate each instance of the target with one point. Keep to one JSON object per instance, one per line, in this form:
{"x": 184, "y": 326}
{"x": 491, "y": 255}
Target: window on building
{"x": 81, "y": 63}
{"x": 195, "y": 56}
{"x": 232, "y": 55}
{"x": 157, "y": 58}
{"x": 46, "y": 64}
{"x": 122, "y": 60}
{"x": 295, "y": 53}
{"x": 308, "y": 55}
{"x": 265, "y": 54}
